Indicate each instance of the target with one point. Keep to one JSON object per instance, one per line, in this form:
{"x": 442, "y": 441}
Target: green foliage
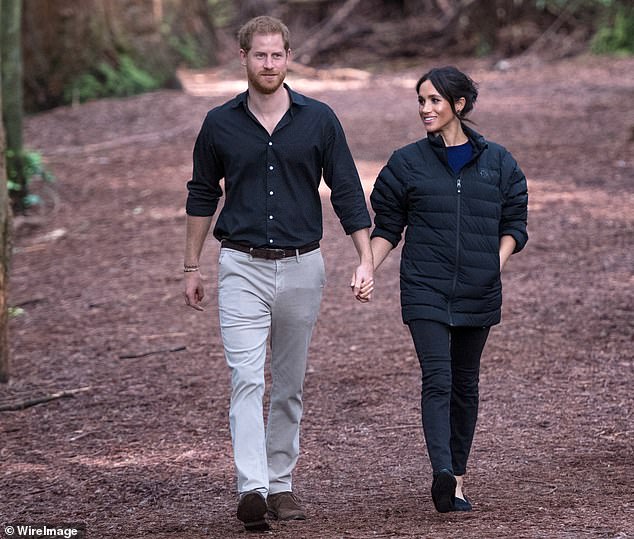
{"x": 484, "y": 48}
{"x": 578, "y": 5}
{"x": 617, "y": 37}
{"x": 28, "y": 165}
{"x": 15, "y": 312}
{"x": 106, "y": 81}
{"x": 615, "y": 34}
{"x": 187, "y": 48}
{"x": 224, "y": 11}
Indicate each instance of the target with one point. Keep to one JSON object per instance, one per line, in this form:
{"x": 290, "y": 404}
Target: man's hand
{"x": 194, "y": 291}
{"x": 197, "y": 229}
{"x": 362, "y": 282}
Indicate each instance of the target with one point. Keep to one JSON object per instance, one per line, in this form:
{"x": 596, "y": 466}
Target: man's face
{"x": 266, "y": 62}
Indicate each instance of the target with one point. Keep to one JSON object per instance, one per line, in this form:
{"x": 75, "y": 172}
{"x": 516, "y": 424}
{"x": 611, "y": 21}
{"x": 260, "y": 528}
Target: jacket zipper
{"x": 455, "y": 274}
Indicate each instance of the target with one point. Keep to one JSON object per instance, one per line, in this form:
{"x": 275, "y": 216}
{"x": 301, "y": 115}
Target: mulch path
{"x": 142, "y": 448}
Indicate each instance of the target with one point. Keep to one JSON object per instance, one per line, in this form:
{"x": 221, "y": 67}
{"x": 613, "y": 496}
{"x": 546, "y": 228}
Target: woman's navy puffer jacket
{"x": 450, "y": 264}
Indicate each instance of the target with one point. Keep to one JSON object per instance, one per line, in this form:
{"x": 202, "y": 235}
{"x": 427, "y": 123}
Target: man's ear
{"x": 243, "y": 57}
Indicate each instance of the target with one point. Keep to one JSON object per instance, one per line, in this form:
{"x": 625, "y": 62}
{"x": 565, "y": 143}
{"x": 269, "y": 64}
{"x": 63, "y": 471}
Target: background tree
{"x": 5, "y": 245}
{"x": 377, "y": 31}
{"x": 74, "y": 51}
{"x": 11, "y": 62}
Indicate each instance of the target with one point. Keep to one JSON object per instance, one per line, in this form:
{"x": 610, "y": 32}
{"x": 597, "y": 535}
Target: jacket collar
{"x": 476, "y": 139}
{"x": 437, "y": 143}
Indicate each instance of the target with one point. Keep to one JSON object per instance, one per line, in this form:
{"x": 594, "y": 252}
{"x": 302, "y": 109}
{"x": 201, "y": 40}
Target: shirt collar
{"x": 296, "y": 98}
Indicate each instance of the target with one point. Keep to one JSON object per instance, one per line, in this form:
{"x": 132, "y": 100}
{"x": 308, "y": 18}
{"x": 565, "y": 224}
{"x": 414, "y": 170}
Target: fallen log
{"x": 22, "y": 405}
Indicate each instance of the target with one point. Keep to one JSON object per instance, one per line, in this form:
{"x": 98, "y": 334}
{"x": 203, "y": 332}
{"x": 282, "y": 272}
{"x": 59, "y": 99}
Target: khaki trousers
{"x": 260, "y": 300}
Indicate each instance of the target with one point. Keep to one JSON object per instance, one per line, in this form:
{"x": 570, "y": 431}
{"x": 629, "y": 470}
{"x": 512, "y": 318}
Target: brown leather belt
{"x": 269, "y": 254}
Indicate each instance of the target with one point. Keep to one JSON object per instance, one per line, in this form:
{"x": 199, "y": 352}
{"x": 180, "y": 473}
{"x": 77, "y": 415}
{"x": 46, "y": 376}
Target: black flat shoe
{"x": 443, "y": 490}
{"x": 462, "y": 505}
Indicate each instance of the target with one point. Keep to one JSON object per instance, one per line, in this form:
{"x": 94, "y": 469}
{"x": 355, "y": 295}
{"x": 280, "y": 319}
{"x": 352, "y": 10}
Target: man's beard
{"x": 254, "y": 79}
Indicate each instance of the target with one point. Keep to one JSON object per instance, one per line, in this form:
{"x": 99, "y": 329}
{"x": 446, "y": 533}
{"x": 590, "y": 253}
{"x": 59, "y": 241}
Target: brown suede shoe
{"x": 252, "y": 511}
{"x": 285, "y": 506}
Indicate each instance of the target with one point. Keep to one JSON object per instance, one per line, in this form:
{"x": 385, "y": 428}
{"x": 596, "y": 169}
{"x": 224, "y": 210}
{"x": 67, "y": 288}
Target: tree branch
{"x": 22, "y": 405}
{"x": 143, "y": 354}
{"x": 313, "y": 45}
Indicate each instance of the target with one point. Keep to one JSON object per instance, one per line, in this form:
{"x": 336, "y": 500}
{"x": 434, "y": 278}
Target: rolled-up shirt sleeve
{"x": 341, "y": 176}
{"x": 388, "y": 202}
{"x": 203, "y": 188}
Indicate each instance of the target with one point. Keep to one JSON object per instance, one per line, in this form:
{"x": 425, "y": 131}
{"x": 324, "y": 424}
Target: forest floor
{"x": 142, "y": 449}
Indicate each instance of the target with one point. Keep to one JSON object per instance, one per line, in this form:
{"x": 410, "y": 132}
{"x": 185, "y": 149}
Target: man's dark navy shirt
{"x": 271, "y": 182}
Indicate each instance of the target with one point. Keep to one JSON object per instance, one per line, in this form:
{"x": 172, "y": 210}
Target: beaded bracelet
{"x": 189, "y": 269}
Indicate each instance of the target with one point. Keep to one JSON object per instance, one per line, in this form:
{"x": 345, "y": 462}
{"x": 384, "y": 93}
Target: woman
{"x": 462, "y": 201}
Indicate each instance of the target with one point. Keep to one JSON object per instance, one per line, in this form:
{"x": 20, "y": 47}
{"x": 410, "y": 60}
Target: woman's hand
{"x": 507, "y": 246}
{"x": 362, "y": 282}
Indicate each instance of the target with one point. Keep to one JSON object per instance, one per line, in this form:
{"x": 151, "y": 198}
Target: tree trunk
{"x": 11, "y": 61}
{"x": 65, "y": 41}
{"x": 5, "y": 246}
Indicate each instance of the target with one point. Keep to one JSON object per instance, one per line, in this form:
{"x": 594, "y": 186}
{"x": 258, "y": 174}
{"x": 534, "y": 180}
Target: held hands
{"x": 194, "y": 291}
{"x": 362, "y": 283}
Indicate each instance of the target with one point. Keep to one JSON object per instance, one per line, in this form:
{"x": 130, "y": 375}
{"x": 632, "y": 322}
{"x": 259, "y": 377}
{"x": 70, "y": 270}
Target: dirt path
{"x": 144, "y": 451}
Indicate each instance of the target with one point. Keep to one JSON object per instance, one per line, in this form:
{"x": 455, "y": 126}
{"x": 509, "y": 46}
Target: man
{"x": 272, "y": 146}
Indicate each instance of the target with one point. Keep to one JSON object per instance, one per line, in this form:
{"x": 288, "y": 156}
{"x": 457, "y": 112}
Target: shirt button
{"x": 270, "y": 217}
{"x": 270, "y": 167}
{"x": 270, "y": 241}
{"x": 271, "y": 193}
{"x": 270, "y": 143}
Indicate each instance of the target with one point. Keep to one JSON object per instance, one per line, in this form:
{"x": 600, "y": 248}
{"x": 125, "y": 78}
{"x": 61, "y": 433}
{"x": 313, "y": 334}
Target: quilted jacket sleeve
{"x": 515, "y": 202}
{"x": 388, "y": 200}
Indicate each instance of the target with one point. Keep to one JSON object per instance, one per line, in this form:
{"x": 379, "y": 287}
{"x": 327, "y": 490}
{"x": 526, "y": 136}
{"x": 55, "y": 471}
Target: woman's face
{"x": 435, "y": 111}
